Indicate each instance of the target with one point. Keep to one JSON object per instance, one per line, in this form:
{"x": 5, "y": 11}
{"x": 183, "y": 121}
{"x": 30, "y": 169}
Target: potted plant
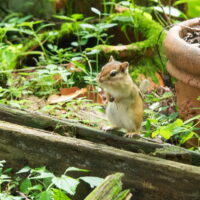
{"x": 183, "y": 53}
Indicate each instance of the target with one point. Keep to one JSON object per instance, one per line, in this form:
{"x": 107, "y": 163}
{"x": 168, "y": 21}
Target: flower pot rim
{"x": 182, "y": 55}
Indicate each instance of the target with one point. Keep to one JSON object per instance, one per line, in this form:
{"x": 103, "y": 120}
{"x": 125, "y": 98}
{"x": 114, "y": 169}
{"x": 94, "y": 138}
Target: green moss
{"x": 141, "y": 54}
{"x": 148, "y": 67}
{"x": 142, "y": 23}
{"x": 67, "y": 28}
{"x": 171, "y": 149}
{"x": 50, "y": 36}
{"x": 173, "y": 153}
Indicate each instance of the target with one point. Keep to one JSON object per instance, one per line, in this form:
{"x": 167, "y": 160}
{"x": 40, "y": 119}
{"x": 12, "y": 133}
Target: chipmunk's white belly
{"x": 120, "y": 115}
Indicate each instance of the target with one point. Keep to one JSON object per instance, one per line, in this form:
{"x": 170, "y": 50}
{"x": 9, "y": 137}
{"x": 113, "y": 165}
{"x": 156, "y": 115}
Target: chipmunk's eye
{"x": 113, "y": 73}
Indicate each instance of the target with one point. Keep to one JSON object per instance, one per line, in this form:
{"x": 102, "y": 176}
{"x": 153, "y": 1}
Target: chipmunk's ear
{"x": 111, "y": 59}
{"x": 124, "y": 67}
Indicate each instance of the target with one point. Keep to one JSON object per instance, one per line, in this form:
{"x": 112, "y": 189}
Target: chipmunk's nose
{"x": 99, "y": 79}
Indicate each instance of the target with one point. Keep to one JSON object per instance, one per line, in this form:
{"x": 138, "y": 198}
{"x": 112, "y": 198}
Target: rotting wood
{"x": 68, "y": 127}
{"x": 111, "y": 188}
{"x": 153, "y": 178}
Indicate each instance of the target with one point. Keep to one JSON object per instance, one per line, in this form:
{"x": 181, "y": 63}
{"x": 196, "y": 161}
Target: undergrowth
{"x": 40, "y": 57}
{"x": 41, "y": 184}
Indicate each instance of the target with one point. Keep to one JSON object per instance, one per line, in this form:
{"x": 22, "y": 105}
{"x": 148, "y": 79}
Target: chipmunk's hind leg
{"x": 135, "y": 133}
{"x": 136, "y": 130}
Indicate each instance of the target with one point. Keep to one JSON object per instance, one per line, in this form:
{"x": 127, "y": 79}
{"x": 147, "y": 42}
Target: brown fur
{"x": 126, "y": 111}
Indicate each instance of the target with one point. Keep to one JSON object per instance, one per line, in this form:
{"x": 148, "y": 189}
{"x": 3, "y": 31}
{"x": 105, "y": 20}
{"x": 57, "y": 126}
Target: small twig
{"x": 23, "y": 195}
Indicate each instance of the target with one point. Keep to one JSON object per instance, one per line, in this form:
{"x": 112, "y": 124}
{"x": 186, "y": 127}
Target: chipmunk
{"x": 125, "y": 102}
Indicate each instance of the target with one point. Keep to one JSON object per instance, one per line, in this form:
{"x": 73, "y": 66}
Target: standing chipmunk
{"x": 125, "y": 103}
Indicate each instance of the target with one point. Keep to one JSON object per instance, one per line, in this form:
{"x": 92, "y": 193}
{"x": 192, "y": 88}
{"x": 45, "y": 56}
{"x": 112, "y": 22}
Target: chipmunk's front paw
{"x": 132, "y": 135}
{"x": 109, "y": 128}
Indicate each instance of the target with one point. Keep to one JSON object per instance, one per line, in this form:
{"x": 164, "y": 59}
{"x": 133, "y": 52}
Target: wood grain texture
{"x": 150, "y": 177}
{"x": 68, "y": 127}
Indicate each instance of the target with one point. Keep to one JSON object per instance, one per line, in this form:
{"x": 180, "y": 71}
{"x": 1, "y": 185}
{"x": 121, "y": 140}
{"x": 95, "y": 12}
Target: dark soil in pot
{"x": 193, "y": 36}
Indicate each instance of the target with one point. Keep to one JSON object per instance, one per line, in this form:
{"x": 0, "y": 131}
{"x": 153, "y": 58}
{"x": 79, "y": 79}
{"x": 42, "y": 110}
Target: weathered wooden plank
{"x": 33, "y": 119}
{"x": 111, "y": 188}
{"x": 68, "y": 127}
{"x": 150, "y": 177}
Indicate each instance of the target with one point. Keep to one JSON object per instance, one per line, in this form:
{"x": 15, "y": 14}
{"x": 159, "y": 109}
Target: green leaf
{"x": 2, "y": 162}
{"x": 155, "y": 133}
{"x": 24, "y": 170}
{"x": 89, "y": 26}
{"x": 165, "y": 133}
{"x": 46, "y": 195}
{"x": 30, "y": 24}
{"x": 7, "y": 170}
{"x": 83, "y": 42}
{"x": 94, "y": 51}
{"x": 80, "y": 65}
{"x": 124, "y": 19}
{"x": 179, "y": 129}
{"x": 75, "y": 44}
{"x": 123, "y": 195}
{"x": 186, "y": 137}
{"x": 153, "y": 121}
{"x": 184, "y": 1}
{"x": 69, "y": 169}
{"x": 92, "y": 181}
{"x": 106, "y": 26}
{"x": 43, "y": 175}
{"x": 36, "y": 187}
{"x": 96, "y": 11}
{"x": 5, "y": 196}
{"x": 25, "y": 185}
{"x": 59, "y": 195}
{"x": 148, "y": 124}
{"x": 66, "y": 183}
{"x": 77, "y": 16}
{"x": 178, "y": 122}
{"x": 64, "y": 18}
{"x": 154, "y": 105}
{"x": 169, "y": 10}
{"x": 44, "y": 26}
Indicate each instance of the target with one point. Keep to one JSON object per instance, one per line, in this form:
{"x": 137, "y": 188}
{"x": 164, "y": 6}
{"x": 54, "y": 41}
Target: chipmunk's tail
{"x": 144, "y": 85}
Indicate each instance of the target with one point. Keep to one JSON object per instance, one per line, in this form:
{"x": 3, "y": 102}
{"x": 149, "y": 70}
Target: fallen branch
{"x": 152, "y": 178}
{"x": 74, "y": 129}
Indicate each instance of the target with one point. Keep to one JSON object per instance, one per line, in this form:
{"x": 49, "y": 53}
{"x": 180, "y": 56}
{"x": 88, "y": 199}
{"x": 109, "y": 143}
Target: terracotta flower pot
{"x": 184, "y": 64}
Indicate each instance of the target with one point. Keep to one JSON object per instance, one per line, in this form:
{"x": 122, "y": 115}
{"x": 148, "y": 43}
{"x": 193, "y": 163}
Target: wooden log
{"x": 111, "y": 188}
{"x": 150, "y": 177}
{"x": 68, "y": 127}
